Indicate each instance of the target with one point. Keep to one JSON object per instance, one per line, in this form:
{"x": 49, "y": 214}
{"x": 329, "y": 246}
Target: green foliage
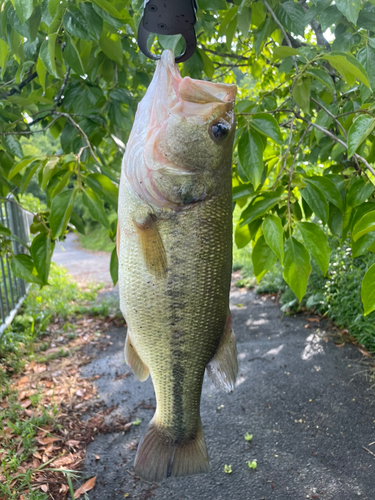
{"x": 305, "y": 145}
{"x": 336, "y": 294}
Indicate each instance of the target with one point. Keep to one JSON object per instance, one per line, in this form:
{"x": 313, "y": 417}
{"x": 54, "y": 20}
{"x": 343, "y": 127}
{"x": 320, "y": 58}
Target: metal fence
{"x": 12, "y": 289}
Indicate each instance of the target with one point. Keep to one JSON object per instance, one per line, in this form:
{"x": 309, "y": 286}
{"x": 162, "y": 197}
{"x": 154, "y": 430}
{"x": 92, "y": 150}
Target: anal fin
{"x": 132, "y": 358}
{"x": 151, "y": 246}
{"x": 223, "y": 367}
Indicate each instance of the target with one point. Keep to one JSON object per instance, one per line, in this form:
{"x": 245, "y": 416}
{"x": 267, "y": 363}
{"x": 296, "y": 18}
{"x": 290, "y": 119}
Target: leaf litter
{"x": 55, "y": 387}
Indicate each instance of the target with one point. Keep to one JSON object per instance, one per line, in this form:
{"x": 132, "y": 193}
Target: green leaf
{"x": 250, "y": 154}
{"x": 41, "y": 251}
{"x": 108, "y": 7}
{"x": 242, "y": 236}
{"x": 316, "y": 243}
{"x": 113, "y": 266}
{"x": 359, "y": 191}
{"x": 368, "y": 290}
{"x": 361, "y": 128}
{"x": 94, "y": 21}
{"x": 4, "y": 230}
{"x": 4, "y": 52}
{"x": 365, "y": 225}
{"x": 12, "y": 145}
{"x": 44, "y": 55}
{"x": 77, "y": 25}
{"x": 212, "y": 4}
{"x": 301, "y": 94}
{"x": 366, "y": 57}
{"x": 259, "y": 206}
{"x": 95, "y": 207}
{"x": 23, "y": 267}
{"x": 263, "y": 258}
{"x": 363, "y": 244}
{"x": 273, "y": 234}
{"x": 348, "y": 66}
{"x": 24, "y": 9}
{"x": 297, "y": 267}
{"x": 244, "y": 20}
{"x": 28, "y": 175}
{"x": 208, "y": 67}
{"x": 17, "y": 167}
{"x": 61, "y": 209}
{"x": 41, "y": 70}
{"x": 282, "y": 52}
{"x": 77, "y": 222}
{"x": 48, "y": 170}
{"x": 266, "y": 125}
{"x": 103, "y": 187}
{"x": 110, "y": 43}
{"x": 350, "y": 9}
{"x": 292, "y": 17}
{"x": 328, "y": 188}
{"x": 316, "y": 201}
{"x": 72, "y": 57}
{"x": 322, "y": 76}
{"x": 241, "y": 191}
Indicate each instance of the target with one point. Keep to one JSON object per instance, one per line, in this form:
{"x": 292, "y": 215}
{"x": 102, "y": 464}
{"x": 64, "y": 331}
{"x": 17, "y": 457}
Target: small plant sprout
{"x": 248, "y": 437}
{"x": 227, "y": 469}
{"x": 252, "y": 464}
{"x": 137, "y": 421}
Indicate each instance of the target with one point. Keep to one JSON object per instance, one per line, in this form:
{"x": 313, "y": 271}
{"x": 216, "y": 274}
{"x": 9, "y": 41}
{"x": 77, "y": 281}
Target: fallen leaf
{"x": 365, "y": 353}
{"x": 85, "y": 487}
{"x": 26, "y": 403}
{"x": 97, "y": 457}
{"x": 72, "y": 442}
{"x": 340, "y": 345}
{"x": 44, "y": 487}
{"x": 47, "y": 440}
{"x": 64, "y": 488}
{"x": 313, "y": 320}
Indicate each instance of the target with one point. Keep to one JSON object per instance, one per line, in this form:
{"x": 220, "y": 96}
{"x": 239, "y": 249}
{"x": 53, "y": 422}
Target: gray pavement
{"x": 306, "y": 401}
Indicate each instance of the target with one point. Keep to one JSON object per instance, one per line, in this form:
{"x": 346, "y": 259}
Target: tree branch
{"x": 289, "y": 43}
{"x": 17, "y": 90}
{"x": 332, "y": 136}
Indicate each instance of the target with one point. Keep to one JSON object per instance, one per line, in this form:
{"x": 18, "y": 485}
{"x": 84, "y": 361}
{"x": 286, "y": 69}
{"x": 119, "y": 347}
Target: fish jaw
{"x": 170, "y": 155}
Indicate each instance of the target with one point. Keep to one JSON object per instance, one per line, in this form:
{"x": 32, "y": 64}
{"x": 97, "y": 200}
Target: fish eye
{"x": 219, "y": 131}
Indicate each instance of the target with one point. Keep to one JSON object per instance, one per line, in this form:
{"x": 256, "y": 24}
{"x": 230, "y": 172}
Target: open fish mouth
{"x": 171, "y": 109}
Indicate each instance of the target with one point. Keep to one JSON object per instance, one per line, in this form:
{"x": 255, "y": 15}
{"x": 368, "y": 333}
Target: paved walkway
{"x": 306, "y": 401}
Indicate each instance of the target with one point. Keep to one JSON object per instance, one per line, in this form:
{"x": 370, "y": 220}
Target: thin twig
{"x": 332, "y": 136}
{"x": 368, "y": 451}
{"x": 289, "y": 43}
{"x": 331, "y": 115}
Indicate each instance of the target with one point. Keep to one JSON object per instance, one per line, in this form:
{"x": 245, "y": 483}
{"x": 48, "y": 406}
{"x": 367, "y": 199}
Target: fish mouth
{"x": 184, "y": 93}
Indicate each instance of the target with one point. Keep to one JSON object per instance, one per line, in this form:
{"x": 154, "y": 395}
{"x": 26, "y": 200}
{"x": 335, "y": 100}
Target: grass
{"x": 22, "y": 345}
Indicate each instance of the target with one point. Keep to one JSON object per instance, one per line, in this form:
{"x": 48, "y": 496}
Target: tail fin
{"x": 159, "y": 458}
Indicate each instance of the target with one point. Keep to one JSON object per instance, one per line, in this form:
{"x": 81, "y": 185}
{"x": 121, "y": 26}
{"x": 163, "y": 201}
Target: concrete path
{"x": 306, "y": 402}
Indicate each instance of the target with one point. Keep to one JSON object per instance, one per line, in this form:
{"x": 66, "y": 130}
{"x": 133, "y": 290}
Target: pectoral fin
{"x": 151, "y": 246}
{"x": 132, "y": 358}
{"x": 223, "y": 367}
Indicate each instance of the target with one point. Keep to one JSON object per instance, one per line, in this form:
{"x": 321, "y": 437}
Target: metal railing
{"x": 12, "y": 289}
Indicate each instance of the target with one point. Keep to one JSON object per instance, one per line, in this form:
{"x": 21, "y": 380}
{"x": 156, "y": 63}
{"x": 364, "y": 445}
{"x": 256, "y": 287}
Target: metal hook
{"x": 168, "y": 17}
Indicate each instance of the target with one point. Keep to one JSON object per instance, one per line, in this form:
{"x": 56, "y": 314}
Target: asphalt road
{"x": 307, "y": 403}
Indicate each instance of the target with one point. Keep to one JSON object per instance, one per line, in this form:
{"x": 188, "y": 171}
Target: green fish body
{"x": 175, "y": 259}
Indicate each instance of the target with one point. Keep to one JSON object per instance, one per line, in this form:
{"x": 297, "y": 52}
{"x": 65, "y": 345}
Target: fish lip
{"x": 192, "y": 90}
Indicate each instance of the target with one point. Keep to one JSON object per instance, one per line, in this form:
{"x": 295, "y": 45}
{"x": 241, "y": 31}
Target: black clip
{"x": 169, "y": 17}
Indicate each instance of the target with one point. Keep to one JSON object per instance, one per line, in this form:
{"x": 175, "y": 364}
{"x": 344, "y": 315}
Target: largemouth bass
{"x": 175, "y": 258}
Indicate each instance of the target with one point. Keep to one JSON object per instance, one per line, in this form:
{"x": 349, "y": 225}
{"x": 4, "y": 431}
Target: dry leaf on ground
{"x": 85, "y": 487}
